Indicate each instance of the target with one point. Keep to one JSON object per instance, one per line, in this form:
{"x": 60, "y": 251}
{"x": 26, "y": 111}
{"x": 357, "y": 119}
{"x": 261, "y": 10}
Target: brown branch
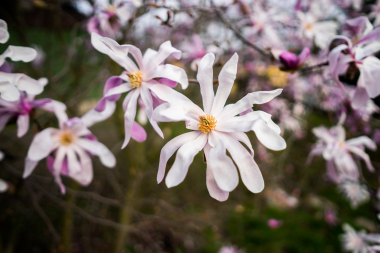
{"x": 311, "y": 68}
{"x": 237, "y": 33}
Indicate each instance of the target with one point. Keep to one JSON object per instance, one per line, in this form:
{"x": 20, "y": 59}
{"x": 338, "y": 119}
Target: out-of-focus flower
{"x": 359, "y": 242}
{"x": 320, "y": 31}
{"x": 273, "y": 223}
{"x": 22, "y": 108}
{"x": 194, "y": 51}
{"x": 330, "y": 217}
{"x": 3, "y": 184}
{"x": 229, "y": 249}
{"x": 355, "y": 192}
{"x": 109, "y": 17}
{"x": 289, "y": 60}
{"x": 217, "y": 129}
{"x": 279, "y": 198}
{"x": 375, "y": 13}
{"x": 138, "y": 80}
{"x": 336, "y": 150}
{"x": 277, "y": 77}
{"x": 71, "y": 141}
{"x": 349, "y": 57}
{"x": 10, "y": 84}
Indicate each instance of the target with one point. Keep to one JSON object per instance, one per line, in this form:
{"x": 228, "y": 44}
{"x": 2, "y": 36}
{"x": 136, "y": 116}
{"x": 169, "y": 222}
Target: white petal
{"x": 184, "y": 158}
{"x": 242, "y": 137}
{"x": 226, "y": 80}
{"x": 170, "y": 72}
{"x": 168, "y": 150}
{"x": 22, "y": 125}
{"x": 222, "y": 167}
{"x": 72, "y": 161}
{"x": 205, "y": 79}
{"x": 25, "y": 54}
{"x": 212, "y": 186}
{"x": 3, "y": 184}
{"x": 267, "y": 136}
{"x": 29, "y": 167}
{"x": 362, "y": 140}
{"x": 249, "y": 171}
{"x": 85, "y": 175}
{"x": 259, "y": 97}
{"x": 129, "y": 115}
{"x": 99, "y": 149}
{"x": 8, "y": 91}
{"x": 164, "y": 52}
{"x": 359, "y": 152}
{"x": 4, "y": 35}
{"x": 92, "y": 116}
{"x": 42, "y": 145}
{"x": 370, "y": 76}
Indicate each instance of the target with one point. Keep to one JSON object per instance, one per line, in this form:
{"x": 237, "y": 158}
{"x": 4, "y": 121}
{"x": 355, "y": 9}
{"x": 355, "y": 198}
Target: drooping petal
{"x": 8, "y": 91}
{"x": 249, "y": 171}
{"x": 168, "y": 150}
{"x": 72, "y": 161}
{"x": 259, "y": 97}
{"x": 318, "y": 150}
{"x": 85, "y": 175}
{"x": 267, "y": 136}
{"x": 16, "y": 53}
{"x": 170, "y": 72}
{"x": 205, "y": 79}
{"x": 184, "y": 158}
{"x": 58, "y": 108}
{"x": 212, "y": 186}
{"x": 138, "y": 133}
{"x": 370, "y": 76}
{"x": 165, "y": 50}
{"x": 226, "y": 80}
{"x": 41, "y": 145}
{"x": 57, "y": 166}
{"x": 99, "y": 149}
{"x": 222, "y": 167}
{"x": 361, "y": 141}
{"x": 148, "y": 102}
{"x": 129, "y": 115}
{"x": 359, "y": 152}
{"x": 30, "y": 165}
{"x": 22, "y": 125}
{"x": 4, "y": 35}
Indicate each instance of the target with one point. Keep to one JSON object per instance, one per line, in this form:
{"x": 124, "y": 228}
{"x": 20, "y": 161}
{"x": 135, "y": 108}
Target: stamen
{"x": 135, "y": 78}
{"x": 66, "y": 139}
{"x": 206, "y": 123}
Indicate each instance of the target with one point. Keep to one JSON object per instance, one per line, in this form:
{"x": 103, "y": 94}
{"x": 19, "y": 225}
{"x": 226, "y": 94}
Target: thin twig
{"x": 310, "y": 68}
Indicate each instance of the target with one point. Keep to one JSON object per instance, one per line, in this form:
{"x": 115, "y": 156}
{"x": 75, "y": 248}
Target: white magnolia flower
{"x": 217, "y": 129}
{"x": 359, "y": 242}
{"x": 355, "y": 192}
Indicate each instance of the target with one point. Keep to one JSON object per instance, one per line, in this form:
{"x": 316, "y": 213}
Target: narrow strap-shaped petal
{"x": 242, "y": 137}
{"x": 370, "y": 76}
{"x": 212, "y": 186}
{"x": 165, "y": 50}
{"x": 226, "y": 80}
{"x": 359, "y": 152}
{"x": 22, "y": 125}
{"x": 57, "y": 166}
{"x": 73, "y": 164}
{"x": 99, "y": 149}
{"x": 148, "y": 56}
{"x": 138, "y": 133}
{"x": 259, "y": 97}
{"x": 267, "y": 136}
{"x": 148, "y": 102}
{"x": 41, "y": 145}
{"x": 129, "y": 115}
{"x": 249, "y": 171}
{"x": 184, "y": 158}
{"x": 168, "y": 150}
{"x": 4, "y": 35}
{"x": 205, "y": 79}
{"x": 85, "y": 175}
{"x": 361, "y": 141}
{"x": 92, "y": 116}
{"x": 170, "y": 72}
{"x": 30, "y": 165}
{"x": 222, "y": 167}
{"x": 16, "y": 53}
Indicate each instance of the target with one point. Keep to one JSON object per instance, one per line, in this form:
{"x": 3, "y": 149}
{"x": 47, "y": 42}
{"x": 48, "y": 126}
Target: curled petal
{"x": 165, "y": 50}
{"x": 267, "y": 136}
{"x": 169, "y": 72}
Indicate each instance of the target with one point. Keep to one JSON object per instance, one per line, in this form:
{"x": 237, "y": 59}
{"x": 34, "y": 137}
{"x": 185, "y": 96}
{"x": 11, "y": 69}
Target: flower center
{"x": 135, "y": 78}
{"x": 206, "y": 123}
{"x": 341, "y": 144}
{"x": 66, "y": 139}
{"x": 308, "y": 26}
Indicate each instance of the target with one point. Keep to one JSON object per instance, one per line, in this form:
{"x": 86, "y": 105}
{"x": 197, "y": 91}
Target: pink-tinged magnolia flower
{"x": 273, "y": 223}
{"x": 3, "y": 184}
{"x": 336, "y": 151}
{"x": 216, "y": 129}
{"x": 289, "y": 60}
{"x": 194, "y": 51}
{"x": 11, "y": 84}
{"x": 21, "y": 109}
{"x": 320, "y": 31}
{"x": 359, "y": 242}
{"x": 109, "y": 17}
{"x": 63, "y": 146}
{"x": 138, "y": 80}
{"x": 349, "y": 57}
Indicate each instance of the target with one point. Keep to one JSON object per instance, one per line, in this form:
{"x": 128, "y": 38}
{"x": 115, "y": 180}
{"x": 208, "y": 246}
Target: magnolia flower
{"x": 357, "y": 56}
{"x": 320, "y": 31}
{"x": 21, "y": 109}
{"x": 336, "y": 150}
{"x": 71, "y": 141}
{"x": 109, "y": 17}
{"x": 193, "y": 52}
{"x": 138, "y": 80}
{"x": 232, "y": 249}
{"x": 10, "y": 84}
{"x": 289, "y": 60}
{"x": 216, "y": 129}
{"x": 359, "y": 242}
{"x": 355, "y": 192}
{"x": 3, "y": 184}
{"x": 375, "y": 13}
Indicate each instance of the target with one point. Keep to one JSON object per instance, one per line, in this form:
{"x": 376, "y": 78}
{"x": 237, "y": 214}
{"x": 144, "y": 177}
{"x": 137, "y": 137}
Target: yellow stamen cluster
{"x": 135, "y": 78}
{"x": 308, "y": 26}
{"x": 66, "y": 139}
{"x": 111, "y": 8}
{"x": 277, "y": 77}
{"x": 206, "y": 123}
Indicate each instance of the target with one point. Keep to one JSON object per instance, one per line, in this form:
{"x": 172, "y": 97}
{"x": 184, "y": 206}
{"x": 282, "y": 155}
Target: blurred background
{"x": 124, "y": 209}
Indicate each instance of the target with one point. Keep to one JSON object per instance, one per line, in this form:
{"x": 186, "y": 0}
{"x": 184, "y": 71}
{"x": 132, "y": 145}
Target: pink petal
{"x": 138, "y": 133}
